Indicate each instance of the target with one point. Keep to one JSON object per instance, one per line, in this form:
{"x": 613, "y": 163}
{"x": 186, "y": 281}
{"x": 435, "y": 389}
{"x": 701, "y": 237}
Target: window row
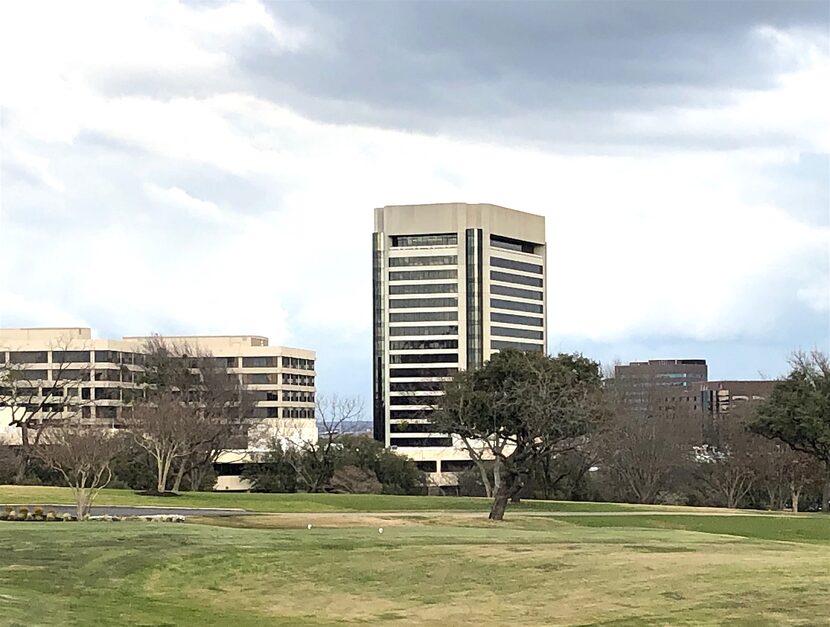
{"x": 401, "y": 373}
{"x": 422, "y": 275}
{"x": 298, "y": 363}
{"x": 416, "y": 386}
{"x": 409, "y": 414}
{"x": 503, "y": 290}
{"x": 422, "y": 345}
{"x": 522, "y": 346}
{"x": 428, "y": 401}
{"x": 434, "y": 239}
{"x": 521, "y": 266}
{"x": 420, "y": 358}
{"x": 436, "y": 260}
{"x": 514, "y": 319}
{"x": 424, "y": 316}
{"x": 298, "y": 396}
{"x": 298, "y": 412}
{"x": 529, "y": 334}
{"x": 411, "y": 427}
{"x": 411, "y": 303}
{"x": 498, "y": 303}
{"x": 508, "y": 243}
{"x": 440, "y": 329}
{"x": 298, "y": 379}
{"x": 62, "y": 357}
{"x": 519, "y": 279}
{"x": 424, "y": 288}
{"x": 420, "y": 442}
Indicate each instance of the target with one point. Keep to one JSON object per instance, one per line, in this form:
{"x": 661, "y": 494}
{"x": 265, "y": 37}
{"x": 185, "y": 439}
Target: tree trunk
{"x": 23, "y": 461}
{"x": 508, "y": 488}
{"x": 794, "y": 494}
{"x": 177, "y": 482}
{"x": 825, "y": 496}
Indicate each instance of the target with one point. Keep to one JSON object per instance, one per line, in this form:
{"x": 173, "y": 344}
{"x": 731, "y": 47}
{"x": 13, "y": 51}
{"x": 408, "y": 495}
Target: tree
{"x": 798, "y": 412}
{"x": 785, "y": 474}
{"x": 523, "y": 407}
{"x": 315, "y": 460}
{"x": 272, "y": 471}
{"x": 729, "y": 465}
{"x": 644, "y": 448}
{"x": 36, "y": 397}
{"x": 82, "y": 454}
{"x": 192, "y": 408}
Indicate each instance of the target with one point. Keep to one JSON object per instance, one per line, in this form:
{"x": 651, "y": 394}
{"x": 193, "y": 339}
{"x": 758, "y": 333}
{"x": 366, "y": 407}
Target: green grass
{"x": 814, "y": 529}
{"x": 34, "y": 495}
{"x": 448, "y": 569}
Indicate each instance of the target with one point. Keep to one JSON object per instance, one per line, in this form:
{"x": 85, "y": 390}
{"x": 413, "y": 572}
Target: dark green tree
{"x": 798, "y": 412}
{"x": 523, "y": 407}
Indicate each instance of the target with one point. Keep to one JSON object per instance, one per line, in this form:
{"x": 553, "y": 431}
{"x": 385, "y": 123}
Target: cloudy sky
{"x": 184, "y": 167}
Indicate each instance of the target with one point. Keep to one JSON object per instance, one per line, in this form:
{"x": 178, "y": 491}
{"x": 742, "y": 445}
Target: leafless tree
{"x": 728, "y": 465}
{"x": 785, "y": 473}
{"x": 82, "y": 455}
{"x": 192, "y": 408}
{"x": 35, "y": 396}
{"x": 315, "y": 459}
{"x": 646, "y": 446}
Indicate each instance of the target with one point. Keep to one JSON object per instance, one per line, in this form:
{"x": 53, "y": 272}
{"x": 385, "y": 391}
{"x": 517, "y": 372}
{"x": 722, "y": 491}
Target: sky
{"x": 211, "y": 167}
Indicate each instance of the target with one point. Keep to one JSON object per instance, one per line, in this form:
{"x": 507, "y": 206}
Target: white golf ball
{"x": 380, "y": 529}
{"x": 309, "y": 525}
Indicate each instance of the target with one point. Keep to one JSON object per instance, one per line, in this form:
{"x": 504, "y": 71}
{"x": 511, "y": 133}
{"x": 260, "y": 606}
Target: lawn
{"x": 449, "y": 568}
{"x": 37, "y": 495}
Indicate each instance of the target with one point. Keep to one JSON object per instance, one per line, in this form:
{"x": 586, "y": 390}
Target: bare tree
{"x": 36, "y": 395}
{"x": 82, "y": 455}
{"x": 729, "y": 464}
{"x": 315, "y": 459}
{"x": 644, "y": 449}
{"x": 192, "y": 408}
{"x": 785, "y": 473}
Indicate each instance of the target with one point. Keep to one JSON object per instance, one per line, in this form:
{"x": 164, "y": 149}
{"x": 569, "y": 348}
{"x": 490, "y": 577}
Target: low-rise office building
{"x": 98, "y": 379}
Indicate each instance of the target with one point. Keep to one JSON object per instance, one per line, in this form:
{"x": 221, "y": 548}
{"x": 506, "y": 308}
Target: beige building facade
{"x": 453, "y": 283}
{"x": 101, "y": 377}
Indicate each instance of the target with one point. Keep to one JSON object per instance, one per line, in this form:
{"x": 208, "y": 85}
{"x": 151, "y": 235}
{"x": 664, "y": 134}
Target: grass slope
{"x": 34, "y": 495}
{"x": 529, "y": 571}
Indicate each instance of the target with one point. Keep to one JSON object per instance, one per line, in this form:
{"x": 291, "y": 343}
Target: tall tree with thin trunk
{"x": 539, "y": 405}
{"x": 798, "y": 412}
{"x": 82, "y": 455}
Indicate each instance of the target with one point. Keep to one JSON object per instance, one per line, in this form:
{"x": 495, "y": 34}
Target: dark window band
{"x": 529, "y": 334}
{"x": 522, "y": 346}
{"x": 424, "y": 288}
{"x": 499, "y": 262}
{"x": 513, "y": 319}
{"x": 407, "y": 303}
{"x": 424, "y": 316}
{"x": 437, "y": 260}
{"x": 438, "y": 329}
{"x": 420, "y": 345}
{"x": 423, "y": 275}
{"x": 515, "y": 291}
{"x": 515, "y": 278}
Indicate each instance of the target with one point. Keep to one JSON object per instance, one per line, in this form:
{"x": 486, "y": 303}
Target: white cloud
{"x": 665, "y": 243}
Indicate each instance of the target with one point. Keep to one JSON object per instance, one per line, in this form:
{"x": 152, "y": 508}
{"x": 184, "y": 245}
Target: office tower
{"x": 646, "y": 385}
{"x": 453, "y": 283}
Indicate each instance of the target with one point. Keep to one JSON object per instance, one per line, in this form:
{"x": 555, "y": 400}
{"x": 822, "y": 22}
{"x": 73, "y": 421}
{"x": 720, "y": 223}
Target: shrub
{"x": 23, "y": 512}
{"x": 38, "y": 511}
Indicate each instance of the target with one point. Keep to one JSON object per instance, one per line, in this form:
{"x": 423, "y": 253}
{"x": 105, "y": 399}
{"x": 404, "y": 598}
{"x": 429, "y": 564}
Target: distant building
{"x": 281, "y": 380}
{"x": 642, "y": 385}
{"x": 453, "y": 284}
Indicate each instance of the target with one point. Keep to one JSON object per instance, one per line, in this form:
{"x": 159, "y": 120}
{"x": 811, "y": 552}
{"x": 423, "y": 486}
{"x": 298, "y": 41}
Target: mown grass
{"x": 531, "y": 570}
{"x": 34, "y": 495}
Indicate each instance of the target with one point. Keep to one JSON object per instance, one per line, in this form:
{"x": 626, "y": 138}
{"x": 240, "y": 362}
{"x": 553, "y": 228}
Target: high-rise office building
{"x": 453, "y": 283}
{"x": 648, "y": 385}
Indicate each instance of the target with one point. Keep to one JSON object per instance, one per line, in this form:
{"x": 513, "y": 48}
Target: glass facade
{"x": 413, "y": 303}
{"x": 412, "y": 241}
{"x": 422, "y": 345}
{"x": 499, "y": 262}
{"x": 475, "y": 327}
{"x": 424, "y": 288}
{"x": 514, "y": 319}
{"x": 439, "y": 329}
{"x": 378, "y": 340}
{"x": 401, "y": 373}
{"x": 434, "y": 260}
{"x": 259, "y": 362}
{"x": 424, "y": 358}
{"x": 424, "y": 316}
{"x": 498, "y": 303}
{"x": 522, "y": 346}
{"x": 507, "y": 243}
{"x": 515, "y": 278}
{"x": 529, "y": 334}
{"x": 503, "y": 290}
{"x": 423, "y": 275}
